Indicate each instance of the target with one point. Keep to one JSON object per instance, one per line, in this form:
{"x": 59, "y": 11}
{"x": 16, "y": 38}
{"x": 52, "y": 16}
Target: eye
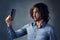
{"x": 36, "y": 12}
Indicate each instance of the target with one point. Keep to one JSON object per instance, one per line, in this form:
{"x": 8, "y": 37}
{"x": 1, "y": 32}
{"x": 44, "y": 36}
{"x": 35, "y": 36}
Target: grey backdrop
{"x": 22, "y": 16}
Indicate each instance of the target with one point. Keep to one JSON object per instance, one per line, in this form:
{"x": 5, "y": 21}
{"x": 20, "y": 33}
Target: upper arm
{"x": 15, "y": 34}
{"x": 21, "y": 32}
{"x": 52, "y": 35}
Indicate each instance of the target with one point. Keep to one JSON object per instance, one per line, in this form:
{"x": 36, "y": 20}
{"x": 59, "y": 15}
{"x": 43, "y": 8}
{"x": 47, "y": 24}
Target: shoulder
{"x": 49, "y": 28}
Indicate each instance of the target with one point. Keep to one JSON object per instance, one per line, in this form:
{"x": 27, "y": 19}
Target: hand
{"x": 8, "y": 20}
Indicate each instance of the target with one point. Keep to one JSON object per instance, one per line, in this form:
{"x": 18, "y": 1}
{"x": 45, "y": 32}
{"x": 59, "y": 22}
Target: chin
{"x": 35, "y": 20}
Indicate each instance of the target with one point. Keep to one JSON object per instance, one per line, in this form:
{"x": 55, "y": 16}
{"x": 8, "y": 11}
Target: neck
{"x": 39, "y": 23}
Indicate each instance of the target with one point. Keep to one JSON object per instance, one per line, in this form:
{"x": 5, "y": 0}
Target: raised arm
{"x": 11, "y": 32}
{"x": 15, "y": 34}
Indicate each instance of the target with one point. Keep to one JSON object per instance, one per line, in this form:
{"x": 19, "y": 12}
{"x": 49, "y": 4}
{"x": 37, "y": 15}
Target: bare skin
{"x": 36, "y": 16}
{"x": 8, "y": 20}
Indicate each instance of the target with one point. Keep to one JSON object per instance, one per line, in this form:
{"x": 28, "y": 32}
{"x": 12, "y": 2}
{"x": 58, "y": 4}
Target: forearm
{"x": 16, "y": 34}
{"x": 11, "y": 32}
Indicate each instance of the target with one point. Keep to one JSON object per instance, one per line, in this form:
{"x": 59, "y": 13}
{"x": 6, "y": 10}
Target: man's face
{"x": 36, "y": 15}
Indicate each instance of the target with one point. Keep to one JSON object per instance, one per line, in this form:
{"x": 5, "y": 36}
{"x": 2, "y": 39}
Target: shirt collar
{"x": 43, "y": 25}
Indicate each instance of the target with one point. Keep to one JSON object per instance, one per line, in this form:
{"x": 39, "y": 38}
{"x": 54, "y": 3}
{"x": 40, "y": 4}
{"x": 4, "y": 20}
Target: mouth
{"x": 35, "y": 18}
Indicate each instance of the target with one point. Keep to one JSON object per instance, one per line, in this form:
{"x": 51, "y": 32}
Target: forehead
{"x": 35, "y": 9}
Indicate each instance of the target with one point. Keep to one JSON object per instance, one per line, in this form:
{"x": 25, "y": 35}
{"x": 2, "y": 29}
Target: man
{"x": 37, "y": 30}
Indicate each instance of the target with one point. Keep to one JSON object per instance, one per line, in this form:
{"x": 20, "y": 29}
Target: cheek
{"x": 37, "y": 15}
